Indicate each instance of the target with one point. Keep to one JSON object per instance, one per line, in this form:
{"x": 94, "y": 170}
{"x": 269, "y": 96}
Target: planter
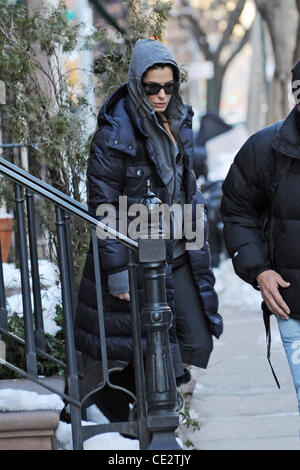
{"x": 6, "y": 231}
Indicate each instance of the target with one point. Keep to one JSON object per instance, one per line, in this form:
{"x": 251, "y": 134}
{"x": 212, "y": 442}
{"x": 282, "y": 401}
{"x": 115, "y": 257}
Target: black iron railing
{"x": 155, "y": 421}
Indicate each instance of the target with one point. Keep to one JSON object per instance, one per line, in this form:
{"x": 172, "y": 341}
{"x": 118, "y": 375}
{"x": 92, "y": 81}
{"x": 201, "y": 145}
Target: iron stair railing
{"x": 155, "y": 423}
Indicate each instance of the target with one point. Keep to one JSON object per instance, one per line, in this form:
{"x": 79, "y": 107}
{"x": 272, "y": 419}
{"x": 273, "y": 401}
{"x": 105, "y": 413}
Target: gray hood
{"x": 146, "y": 53}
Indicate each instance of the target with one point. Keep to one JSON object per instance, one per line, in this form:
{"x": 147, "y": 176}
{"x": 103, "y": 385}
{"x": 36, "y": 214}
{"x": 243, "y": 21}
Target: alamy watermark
{"x": 160, "y": 221}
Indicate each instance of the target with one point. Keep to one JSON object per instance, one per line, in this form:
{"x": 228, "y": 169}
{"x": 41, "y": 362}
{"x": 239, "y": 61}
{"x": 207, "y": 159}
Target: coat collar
{"x": 119, "y": 111}
{"x": 287, "y": 137}
{"x": 113, "y": 111}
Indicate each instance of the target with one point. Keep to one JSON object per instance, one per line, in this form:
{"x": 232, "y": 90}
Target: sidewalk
{"x": 236, "y": 400}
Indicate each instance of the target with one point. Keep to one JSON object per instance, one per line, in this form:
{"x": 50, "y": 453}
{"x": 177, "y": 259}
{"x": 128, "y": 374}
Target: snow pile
{"x": 47, "y": 273}
{"x": 111, "y": 441}
{"x": 50, "y": 292}
{"x": 12, "y": 276}
{"x": 23, "y": 400}
{"x": 105, "y": 441}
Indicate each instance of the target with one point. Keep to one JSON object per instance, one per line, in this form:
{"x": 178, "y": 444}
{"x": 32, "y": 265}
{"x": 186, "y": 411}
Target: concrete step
{"x": 30, "y": 430}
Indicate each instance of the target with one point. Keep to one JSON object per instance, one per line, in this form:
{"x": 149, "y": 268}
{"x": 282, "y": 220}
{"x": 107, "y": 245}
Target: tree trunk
{"x": 214, "y": 89}
{"x": 281, "y": 20}
{"x": 214, "y": 54}
{"x": 258, "y": 88}
{"x": 297, "y": 48}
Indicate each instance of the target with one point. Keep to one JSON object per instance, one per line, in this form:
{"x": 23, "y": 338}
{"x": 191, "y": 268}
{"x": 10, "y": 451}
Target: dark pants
{"x": 194, "y": 338}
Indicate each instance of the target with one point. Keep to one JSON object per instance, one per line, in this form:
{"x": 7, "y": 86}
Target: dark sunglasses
{"x": 154, "y": 88}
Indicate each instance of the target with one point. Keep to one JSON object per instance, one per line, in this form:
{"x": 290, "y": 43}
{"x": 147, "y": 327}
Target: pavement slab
{"x": 236, "y": 400}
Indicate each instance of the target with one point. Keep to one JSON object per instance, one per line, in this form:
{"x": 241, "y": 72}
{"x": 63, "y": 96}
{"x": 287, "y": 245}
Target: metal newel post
{"x": 159, "y": 371}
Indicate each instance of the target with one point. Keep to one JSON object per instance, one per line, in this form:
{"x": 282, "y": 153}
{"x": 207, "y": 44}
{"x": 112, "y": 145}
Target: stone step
{"x": 30, "y": 430}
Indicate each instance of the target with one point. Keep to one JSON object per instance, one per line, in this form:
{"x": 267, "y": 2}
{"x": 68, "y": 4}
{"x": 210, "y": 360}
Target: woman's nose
{"x": 161, "y": 93}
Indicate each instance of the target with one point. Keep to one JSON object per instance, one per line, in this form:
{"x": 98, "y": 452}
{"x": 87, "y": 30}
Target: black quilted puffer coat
{"x": 263, "y": 185}
{"x": 122, "y": 159}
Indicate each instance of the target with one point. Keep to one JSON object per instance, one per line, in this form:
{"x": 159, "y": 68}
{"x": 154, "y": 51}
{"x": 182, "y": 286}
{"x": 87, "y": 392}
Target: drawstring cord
{"x": 266, "y": 315}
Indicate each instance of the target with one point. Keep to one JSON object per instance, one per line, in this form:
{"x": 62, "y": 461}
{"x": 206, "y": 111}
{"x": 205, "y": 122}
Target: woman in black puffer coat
{"x": 139, "y": 139}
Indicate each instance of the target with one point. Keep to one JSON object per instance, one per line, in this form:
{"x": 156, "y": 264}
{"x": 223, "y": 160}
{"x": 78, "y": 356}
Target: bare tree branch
{"x": 233, "y": 19}
{"x": 198, "y": 33}
{"x": 214, "y": 55}
{"x": 280, "y": 18}
{"x": 201, "y": 36}
{"x": 239, "y": 47}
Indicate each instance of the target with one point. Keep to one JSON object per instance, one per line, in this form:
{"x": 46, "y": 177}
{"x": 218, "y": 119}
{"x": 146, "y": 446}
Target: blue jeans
{"x": 290, "y": 336}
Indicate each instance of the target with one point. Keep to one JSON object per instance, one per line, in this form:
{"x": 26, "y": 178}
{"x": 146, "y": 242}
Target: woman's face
{"x": 161, "y": 76}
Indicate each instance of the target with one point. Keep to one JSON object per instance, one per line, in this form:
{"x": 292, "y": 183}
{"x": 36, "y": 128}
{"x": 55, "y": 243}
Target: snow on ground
{"x": 232, "y": 292}
{"x": 105, "y": 441}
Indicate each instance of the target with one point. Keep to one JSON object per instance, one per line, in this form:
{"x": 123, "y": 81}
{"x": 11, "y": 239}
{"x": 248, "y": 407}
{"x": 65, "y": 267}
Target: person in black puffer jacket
{"x": 145, "y": 132}
{"x": 261, "y": 214}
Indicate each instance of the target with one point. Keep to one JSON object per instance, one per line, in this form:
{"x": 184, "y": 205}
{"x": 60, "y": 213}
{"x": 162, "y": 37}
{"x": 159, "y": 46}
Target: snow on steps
{"x": 29, "y": 414}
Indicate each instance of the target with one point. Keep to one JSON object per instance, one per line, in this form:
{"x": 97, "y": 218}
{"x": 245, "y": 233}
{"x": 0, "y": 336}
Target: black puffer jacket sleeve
{"x": 105, "y": 182}
{"x": 243, "y": 210}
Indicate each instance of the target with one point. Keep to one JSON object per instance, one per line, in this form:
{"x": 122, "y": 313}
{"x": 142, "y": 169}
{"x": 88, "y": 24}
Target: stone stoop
{"x": 30, "y": 430}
